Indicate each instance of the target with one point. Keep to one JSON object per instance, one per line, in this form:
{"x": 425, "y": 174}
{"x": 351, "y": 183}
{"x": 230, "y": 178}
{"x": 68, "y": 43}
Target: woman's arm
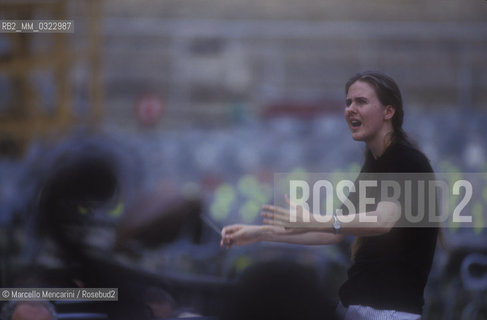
{"x": 240, "y": 234}
{"x": 370, "y": 223}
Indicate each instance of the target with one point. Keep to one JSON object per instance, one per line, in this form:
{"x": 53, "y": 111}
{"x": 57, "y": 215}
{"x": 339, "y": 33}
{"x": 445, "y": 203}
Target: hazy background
{"x": 215, "y": 97}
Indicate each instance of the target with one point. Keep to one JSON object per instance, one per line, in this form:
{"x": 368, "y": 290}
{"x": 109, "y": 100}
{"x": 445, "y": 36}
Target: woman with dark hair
{"x": 391, "y": 263}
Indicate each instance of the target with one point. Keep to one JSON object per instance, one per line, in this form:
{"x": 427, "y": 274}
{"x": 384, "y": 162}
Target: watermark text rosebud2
{"x": 424, "y": 199}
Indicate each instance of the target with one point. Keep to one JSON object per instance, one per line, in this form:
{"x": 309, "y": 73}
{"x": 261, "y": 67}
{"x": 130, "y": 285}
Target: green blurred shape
{"x": 222, "y": 203}
{"x": 295, "y": 174}
{"x": 249, "y": 211}
{"x": 354, "y": 167}
{"x": 242, "y": 262}
{"x": 298, "y": 173}
{"x": 264, "y": 196}
{"x": 117, "y": 210}
{"x": 248, "y": 186}
{"x": 219, "y": 211}
{"x": 447, "y": 166}
{"x": 478, "y": 217}
{"x": 82, "y": 210}
{"x": 256, "y": 195}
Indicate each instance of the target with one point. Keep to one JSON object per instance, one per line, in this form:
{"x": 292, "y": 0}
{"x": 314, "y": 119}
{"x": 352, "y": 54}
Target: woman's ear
{"x": 389, "y": 112}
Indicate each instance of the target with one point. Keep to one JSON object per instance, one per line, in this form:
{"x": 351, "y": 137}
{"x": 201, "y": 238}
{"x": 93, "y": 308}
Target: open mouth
{"x": 355, "y": 123}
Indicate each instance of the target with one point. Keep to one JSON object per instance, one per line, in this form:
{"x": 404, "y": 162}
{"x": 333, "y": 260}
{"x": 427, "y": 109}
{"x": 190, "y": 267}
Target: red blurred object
{"x": 149, "y": 109}
{"x": 303, "y": 110}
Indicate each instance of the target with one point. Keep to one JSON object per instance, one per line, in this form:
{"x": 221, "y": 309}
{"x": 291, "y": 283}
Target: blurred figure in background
{"x": 28, "y": 310}
{"x": 160, "y": 305}
{"x": 283, "y": 290}
{"x": 85, "y": 209}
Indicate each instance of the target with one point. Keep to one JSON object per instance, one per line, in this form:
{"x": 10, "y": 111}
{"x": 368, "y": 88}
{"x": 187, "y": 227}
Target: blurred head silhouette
{"x": 278, "y": 290}
{"x": 28, "y": 310}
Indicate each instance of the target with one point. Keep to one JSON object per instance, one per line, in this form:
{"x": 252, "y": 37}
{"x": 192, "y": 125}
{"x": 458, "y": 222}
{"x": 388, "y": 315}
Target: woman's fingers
{"x": 271, "y": 208}
{"x": 275, "y": 216}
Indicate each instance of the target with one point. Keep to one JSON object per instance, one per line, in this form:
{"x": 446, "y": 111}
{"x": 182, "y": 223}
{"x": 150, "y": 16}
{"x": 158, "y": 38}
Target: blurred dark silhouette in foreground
{"x": 279, "y": 290}
{"x": 28, "y": 310}
{"x": 78, "y": 191}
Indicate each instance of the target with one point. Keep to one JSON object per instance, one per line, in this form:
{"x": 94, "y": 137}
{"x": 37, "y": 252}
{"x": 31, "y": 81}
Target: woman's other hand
{"x": 278, "y": 216}
{"x": 240, "y": 235}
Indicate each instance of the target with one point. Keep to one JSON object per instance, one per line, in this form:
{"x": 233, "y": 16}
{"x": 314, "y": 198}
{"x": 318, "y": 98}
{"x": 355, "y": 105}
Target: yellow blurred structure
{"x": 27, "y": 114}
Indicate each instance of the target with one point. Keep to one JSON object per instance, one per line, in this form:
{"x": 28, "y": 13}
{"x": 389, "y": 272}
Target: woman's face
{"x": 365, "y": 114}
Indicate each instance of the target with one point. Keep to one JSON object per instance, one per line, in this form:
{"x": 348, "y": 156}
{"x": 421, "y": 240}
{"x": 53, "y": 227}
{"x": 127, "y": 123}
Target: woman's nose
{"x": 350, "y": 109}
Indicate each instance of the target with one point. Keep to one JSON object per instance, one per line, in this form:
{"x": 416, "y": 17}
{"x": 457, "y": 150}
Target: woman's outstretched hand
{"x": 278, "y": 216}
